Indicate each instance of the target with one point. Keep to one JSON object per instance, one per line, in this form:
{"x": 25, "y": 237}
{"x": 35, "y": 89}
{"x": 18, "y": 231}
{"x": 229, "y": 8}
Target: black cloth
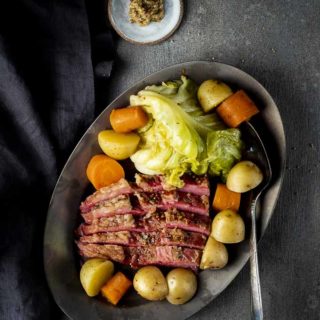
{"x": 48, "y": 54}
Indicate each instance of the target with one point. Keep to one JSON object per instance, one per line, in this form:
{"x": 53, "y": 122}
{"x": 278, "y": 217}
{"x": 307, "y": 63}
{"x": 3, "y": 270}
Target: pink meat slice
{"x": 108, "y": 208}
{"x": 149, "y": 183}
{"x": 188, "y": 221}
{"x": 114, "y": 190}
{"x": 151, "y": 201}
{"x": 104, "y": 251}
{"x": 119, "y": 238}
{"x": 186, "y": 201}
{"x": 178, "y": 237}
{"x": 172, "y": 219}
{"x": 123, "y": 222}
{"x": 195, "y": 184}
{"x": 165, "y": 255}
{"x": 167, "y": 237}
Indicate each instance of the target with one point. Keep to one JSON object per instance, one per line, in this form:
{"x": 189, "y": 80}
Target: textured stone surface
{"x": 277, "y": 42}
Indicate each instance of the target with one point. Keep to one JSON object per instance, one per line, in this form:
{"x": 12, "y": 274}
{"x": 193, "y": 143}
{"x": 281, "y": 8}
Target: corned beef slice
{"x": 109, "y": 224}
{"x": 120, "y": 237}
{"x": 165, "y": 255}
{"x": 105, "y": 193}
{"x": 187, "y": 221}
{"x": 171, "y": 237}
{"x": 104, "y": 251}
{"x": 186, "y": 201}
{"x": 149, "y": 183}
{"x": 111, "y": 207}
{"x": 164, "y": 200}
{"x": 139, "y": 256}
{"x": 150, "y": 222}
{"x": 198, "y": 185}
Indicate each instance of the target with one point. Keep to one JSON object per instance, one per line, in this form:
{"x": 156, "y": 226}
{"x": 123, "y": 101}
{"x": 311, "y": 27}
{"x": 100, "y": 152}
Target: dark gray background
{"x": 277, "y": 42}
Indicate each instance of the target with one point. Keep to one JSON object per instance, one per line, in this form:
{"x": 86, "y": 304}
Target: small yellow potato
{"x": 228, "y": 227}
{"x": 118, "y": 146}
{"x": 211, "y": 93}
{"x": 94, "y": 274}
{"x": 244, "y": 176}
{"x": 182, "y": 284}
{"x": 214, "y": 256}
{"x": 150, "y": 283}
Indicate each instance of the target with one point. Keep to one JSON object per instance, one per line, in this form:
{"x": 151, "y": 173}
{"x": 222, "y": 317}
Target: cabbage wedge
{"x": 180, "y": 137}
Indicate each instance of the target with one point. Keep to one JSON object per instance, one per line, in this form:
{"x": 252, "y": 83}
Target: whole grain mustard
{"x": 144, "y": 12}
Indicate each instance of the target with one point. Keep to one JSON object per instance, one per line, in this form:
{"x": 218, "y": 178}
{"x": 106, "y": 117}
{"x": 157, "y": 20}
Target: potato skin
{"x": 214, "y": 256}
{"x": 94, "y": 274}
{"x": 116, "y": 145}
{"x": 150, "y": 283}
{"x": 228, "y": 227}
{"x": 182, "y": 284}
{"x": 244, "y": 176}
{"x": 211, "y": 93}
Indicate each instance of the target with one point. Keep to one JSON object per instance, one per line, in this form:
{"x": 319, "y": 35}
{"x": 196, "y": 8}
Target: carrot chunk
{"x": 103, "y": 171}
{"x": 225, "y": 199}
{"x": 128, "y": 119}
{"x": 116, "y": 287}
{"x": 237, "y": 109}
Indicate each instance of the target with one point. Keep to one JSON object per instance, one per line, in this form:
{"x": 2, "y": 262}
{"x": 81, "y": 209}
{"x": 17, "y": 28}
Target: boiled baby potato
{"x": 94, "y": 274}
{"x": 244, "y": 176}
{"x": 182, "y": 284}
{"x": 118, "y": 146}
{"x": 215, "y": 255}
{"x": 228, "y": 227}
{"x": 150, "y": 283}
{"x": 211, "y": 93}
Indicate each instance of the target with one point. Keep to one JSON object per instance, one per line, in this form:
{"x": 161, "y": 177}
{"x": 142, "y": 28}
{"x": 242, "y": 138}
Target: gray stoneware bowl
{"x": 60, "y": 256}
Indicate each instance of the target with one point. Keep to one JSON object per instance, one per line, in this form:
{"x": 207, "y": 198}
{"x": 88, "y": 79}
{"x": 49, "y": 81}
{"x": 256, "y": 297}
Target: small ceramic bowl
{"x": 155, "y": 32}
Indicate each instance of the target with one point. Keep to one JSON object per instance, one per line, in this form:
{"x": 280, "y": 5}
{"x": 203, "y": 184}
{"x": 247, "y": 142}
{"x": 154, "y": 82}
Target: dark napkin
{"x": 48, "y": 54}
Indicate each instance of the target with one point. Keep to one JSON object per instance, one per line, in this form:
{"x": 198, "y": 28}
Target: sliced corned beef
{"x": 186, "y": 201}
{"x": 187, "y": 221}
{"x": 114, "y": 190}
{"x": 155, "y": 221}
{"x": 165, "y": 255}
{"x": 147, "y": 222}
{"x": 195, "y": 184}
{"x": 149, "y": 183}
{"x": 111, "y": 207}
{"x": 168, "y": 237}
{"x": 104, "y": 251}
{"x": 178, "y": 237}
{"x": 120, "y": 238}
{"x": 151, "y": 201}
{"x": 198, "y": 185}
{"x": 115, "y": 223}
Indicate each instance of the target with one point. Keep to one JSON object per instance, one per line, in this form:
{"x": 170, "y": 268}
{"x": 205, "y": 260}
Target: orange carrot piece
{"x": 103, "y": 171}
{"x": 226, "y": 199}
{"x": 237, "y": 109}
{"x": 116, "y": 287}
{"x": 128, "y": 119}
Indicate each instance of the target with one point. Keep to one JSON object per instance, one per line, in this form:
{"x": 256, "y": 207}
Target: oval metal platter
{"x": 60, "y": 256}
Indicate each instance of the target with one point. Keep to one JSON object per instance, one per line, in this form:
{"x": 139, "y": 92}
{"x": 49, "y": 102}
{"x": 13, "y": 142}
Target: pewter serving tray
{"x": 60, "y": 257}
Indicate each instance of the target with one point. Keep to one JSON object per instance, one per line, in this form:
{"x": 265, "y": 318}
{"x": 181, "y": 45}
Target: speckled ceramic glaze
{"x": 60, "y": 257}
{"x": 155, "y": 32}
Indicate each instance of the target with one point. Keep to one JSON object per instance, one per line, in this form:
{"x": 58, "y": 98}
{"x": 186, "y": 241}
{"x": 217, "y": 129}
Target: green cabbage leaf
{"x": 224, "y": 149}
